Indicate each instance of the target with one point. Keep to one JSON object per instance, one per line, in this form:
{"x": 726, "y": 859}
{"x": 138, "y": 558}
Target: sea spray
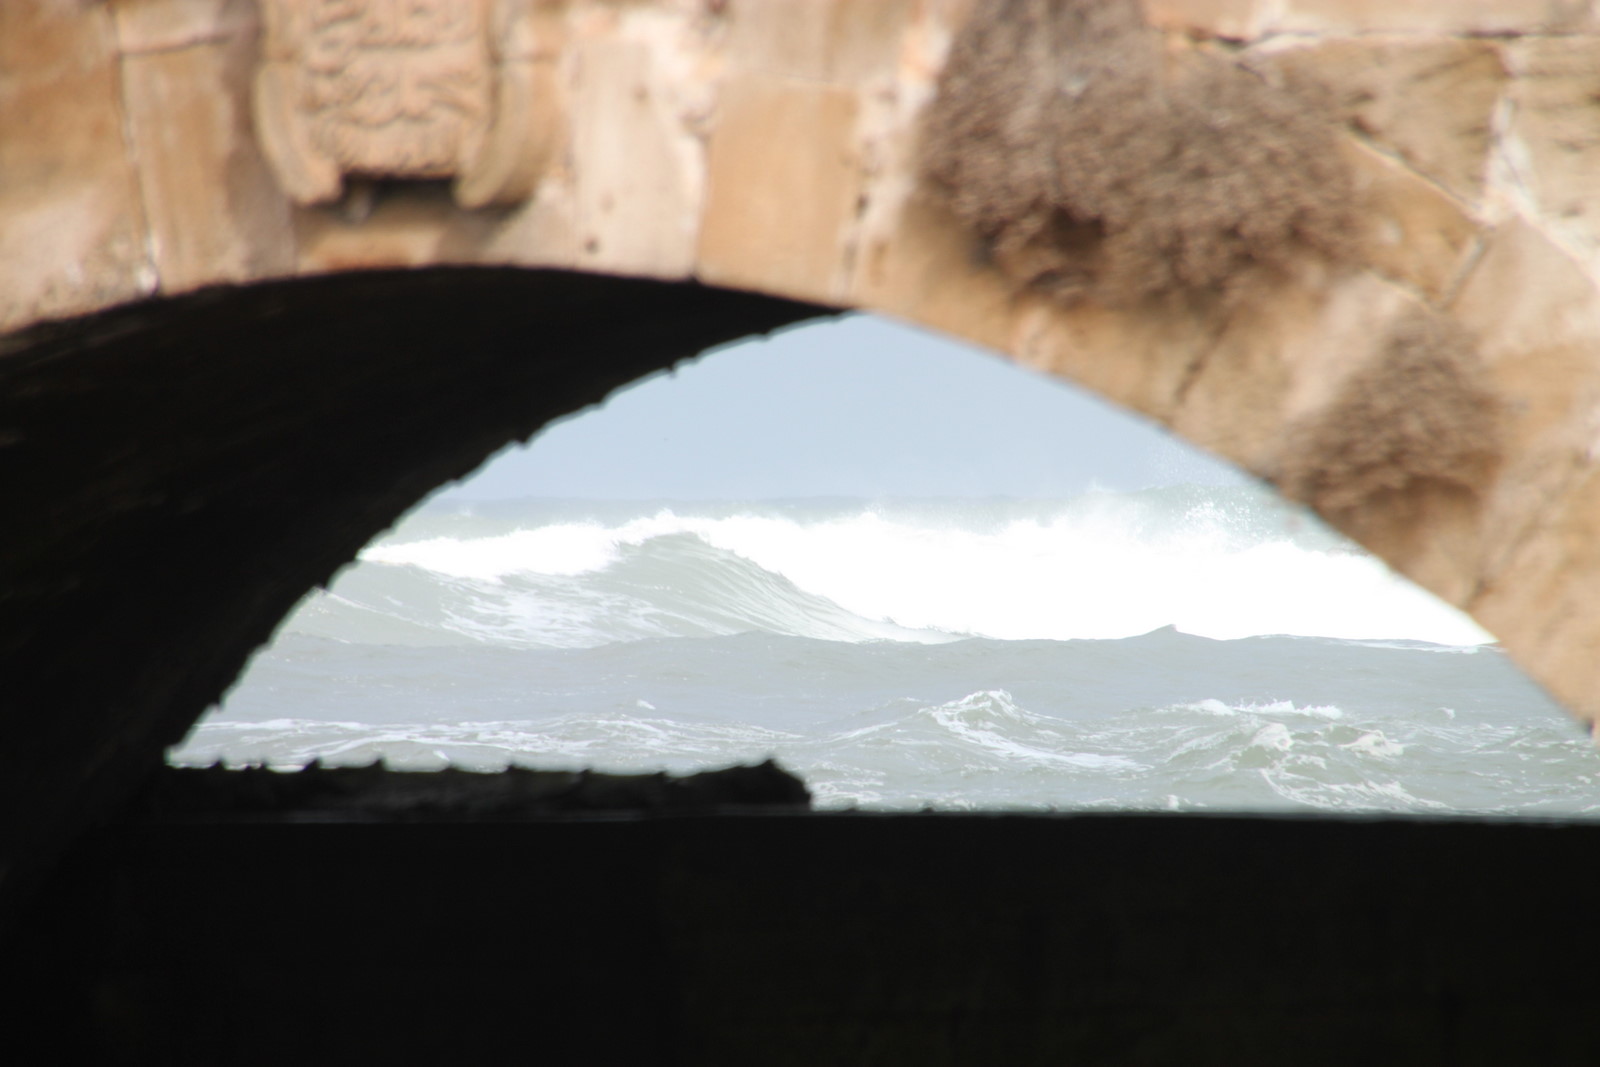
{"x": 1231, "y": 563}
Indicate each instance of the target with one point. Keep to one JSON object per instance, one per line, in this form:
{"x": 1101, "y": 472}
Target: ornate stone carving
{"x": 409, "y": 89}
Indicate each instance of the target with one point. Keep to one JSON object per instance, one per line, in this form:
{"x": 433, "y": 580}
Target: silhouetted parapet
{"x": 380, "y": 793}
{"x": 819, "y": 939}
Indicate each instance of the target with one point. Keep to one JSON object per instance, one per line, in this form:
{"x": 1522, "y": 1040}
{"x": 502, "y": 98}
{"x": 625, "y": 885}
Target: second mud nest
{"x": 1421, "y": 414}
{"x": 1095, "y": 165}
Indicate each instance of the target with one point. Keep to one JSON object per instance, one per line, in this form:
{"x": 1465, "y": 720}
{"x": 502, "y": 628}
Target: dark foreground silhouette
{"x": 360, "y": 916}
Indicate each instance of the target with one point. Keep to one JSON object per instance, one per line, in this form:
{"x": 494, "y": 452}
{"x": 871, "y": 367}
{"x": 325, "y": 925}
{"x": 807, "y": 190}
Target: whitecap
{"x": 1106, "y": 566}
{"x": 1374, "y": 743}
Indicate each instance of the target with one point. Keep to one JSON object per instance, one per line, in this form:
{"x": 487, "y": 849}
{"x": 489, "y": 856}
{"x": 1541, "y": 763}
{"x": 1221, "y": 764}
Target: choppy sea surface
{"x": 1181, "y": 648}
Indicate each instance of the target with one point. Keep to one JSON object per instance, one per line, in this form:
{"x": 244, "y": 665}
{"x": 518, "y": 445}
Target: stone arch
{"x": 174, "y": 226}
{"x": 186, "y": 469}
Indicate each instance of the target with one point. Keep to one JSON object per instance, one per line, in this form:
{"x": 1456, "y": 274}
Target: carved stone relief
{"x": 407, "y": 89}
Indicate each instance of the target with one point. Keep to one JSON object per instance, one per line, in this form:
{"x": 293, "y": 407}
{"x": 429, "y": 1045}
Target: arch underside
{"x": 180, "y": 472}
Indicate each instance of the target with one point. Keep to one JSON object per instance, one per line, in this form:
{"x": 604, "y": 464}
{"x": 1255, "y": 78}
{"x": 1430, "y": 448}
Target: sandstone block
{"x": 1242, "y": 20}
{"x": 1536, "y": 316}
{"x": 923, "y": 267}
{"x": 1417, "y": 233}
{"x": 72, "y": 234}
{"x": 842, "y": 42}
{"x": 1541, "y": 604}
{"x": 637, "y": 161}
{"x": 160, "y": 25}
{"x": 1435, "y": 16}
{"x": 784, "y": 189}
{"x": 1430, "y": 102}
{"x": 215, "y": 212}
{"x": 1276, "y": 357}
{"x": 533, "y": 30}
{"x": 1555, "y": 134}
{"x": 1138, "y": 360}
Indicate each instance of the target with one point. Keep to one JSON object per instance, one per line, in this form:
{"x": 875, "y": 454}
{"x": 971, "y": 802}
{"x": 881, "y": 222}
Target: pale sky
{"x": 858, "y": 407}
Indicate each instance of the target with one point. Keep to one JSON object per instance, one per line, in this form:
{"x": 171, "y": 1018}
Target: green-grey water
{"x": 1186, "y": 648}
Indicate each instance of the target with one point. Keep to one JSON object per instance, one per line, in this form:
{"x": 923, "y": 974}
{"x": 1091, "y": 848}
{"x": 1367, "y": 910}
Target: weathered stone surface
{"x": 1555, "y": 645}
{"x": 1281, "y": 356}
{"x": 163, "y": 25}
{"x": 839, "y": 42}
{"x": 781, "y": 212}
{"x": 72, "y": 232}
{"x": 1156, "y": 355}
{"x": 1433, "y": 17}
{"x": 214, "y": 211}
{"x": 527, "y": 130}
{"x": 1429, "y": 101}
{"x": 638, "y": 166}
{"x": 1554, "y": 135}
{"x": 1416, "y": 233}
{"x": 925, "y": 269}
{"x": 1536, "y": 314}
{"x": 1537, "y": 317}
{"x": 1252, "y": 19}
{"x": 911, "y": 257}
{"x": 543, "y": 232}
{"x": 1235, "y": 19}
{"x": 530, "y": 30}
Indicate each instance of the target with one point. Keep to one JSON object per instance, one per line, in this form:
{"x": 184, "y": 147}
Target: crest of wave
{"x": 1114, "y": 567}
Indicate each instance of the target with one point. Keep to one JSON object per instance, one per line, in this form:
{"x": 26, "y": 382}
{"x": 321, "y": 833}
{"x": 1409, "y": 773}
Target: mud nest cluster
{"x": 1094, "y": 164}
{"x": 1418, "y": 414}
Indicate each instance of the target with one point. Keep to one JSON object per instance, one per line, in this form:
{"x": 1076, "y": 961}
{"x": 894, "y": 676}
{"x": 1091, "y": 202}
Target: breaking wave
{"x": 1226, "y": 564}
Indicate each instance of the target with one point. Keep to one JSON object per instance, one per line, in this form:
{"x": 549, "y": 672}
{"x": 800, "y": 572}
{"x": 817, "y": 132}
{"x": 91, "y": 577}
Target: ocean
{"x": 1185, "y": 648}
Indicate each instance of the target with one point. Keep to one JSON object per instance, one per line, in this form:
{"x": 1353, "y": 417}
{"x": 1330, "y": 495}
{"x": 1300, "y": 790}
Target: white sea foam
{"x": 1100, "y": 571}
{"x": 1213, "y": 706}
{"x": 991, "y": 723}
{"x": 560, "y": 548}
{"x": 1273, "y": 736}
{"x": 1374, "y": 743}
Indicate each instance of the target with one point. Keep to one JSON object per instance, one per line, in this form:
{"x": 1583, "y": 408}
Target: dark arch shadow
{"x": 177, "y": 474}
